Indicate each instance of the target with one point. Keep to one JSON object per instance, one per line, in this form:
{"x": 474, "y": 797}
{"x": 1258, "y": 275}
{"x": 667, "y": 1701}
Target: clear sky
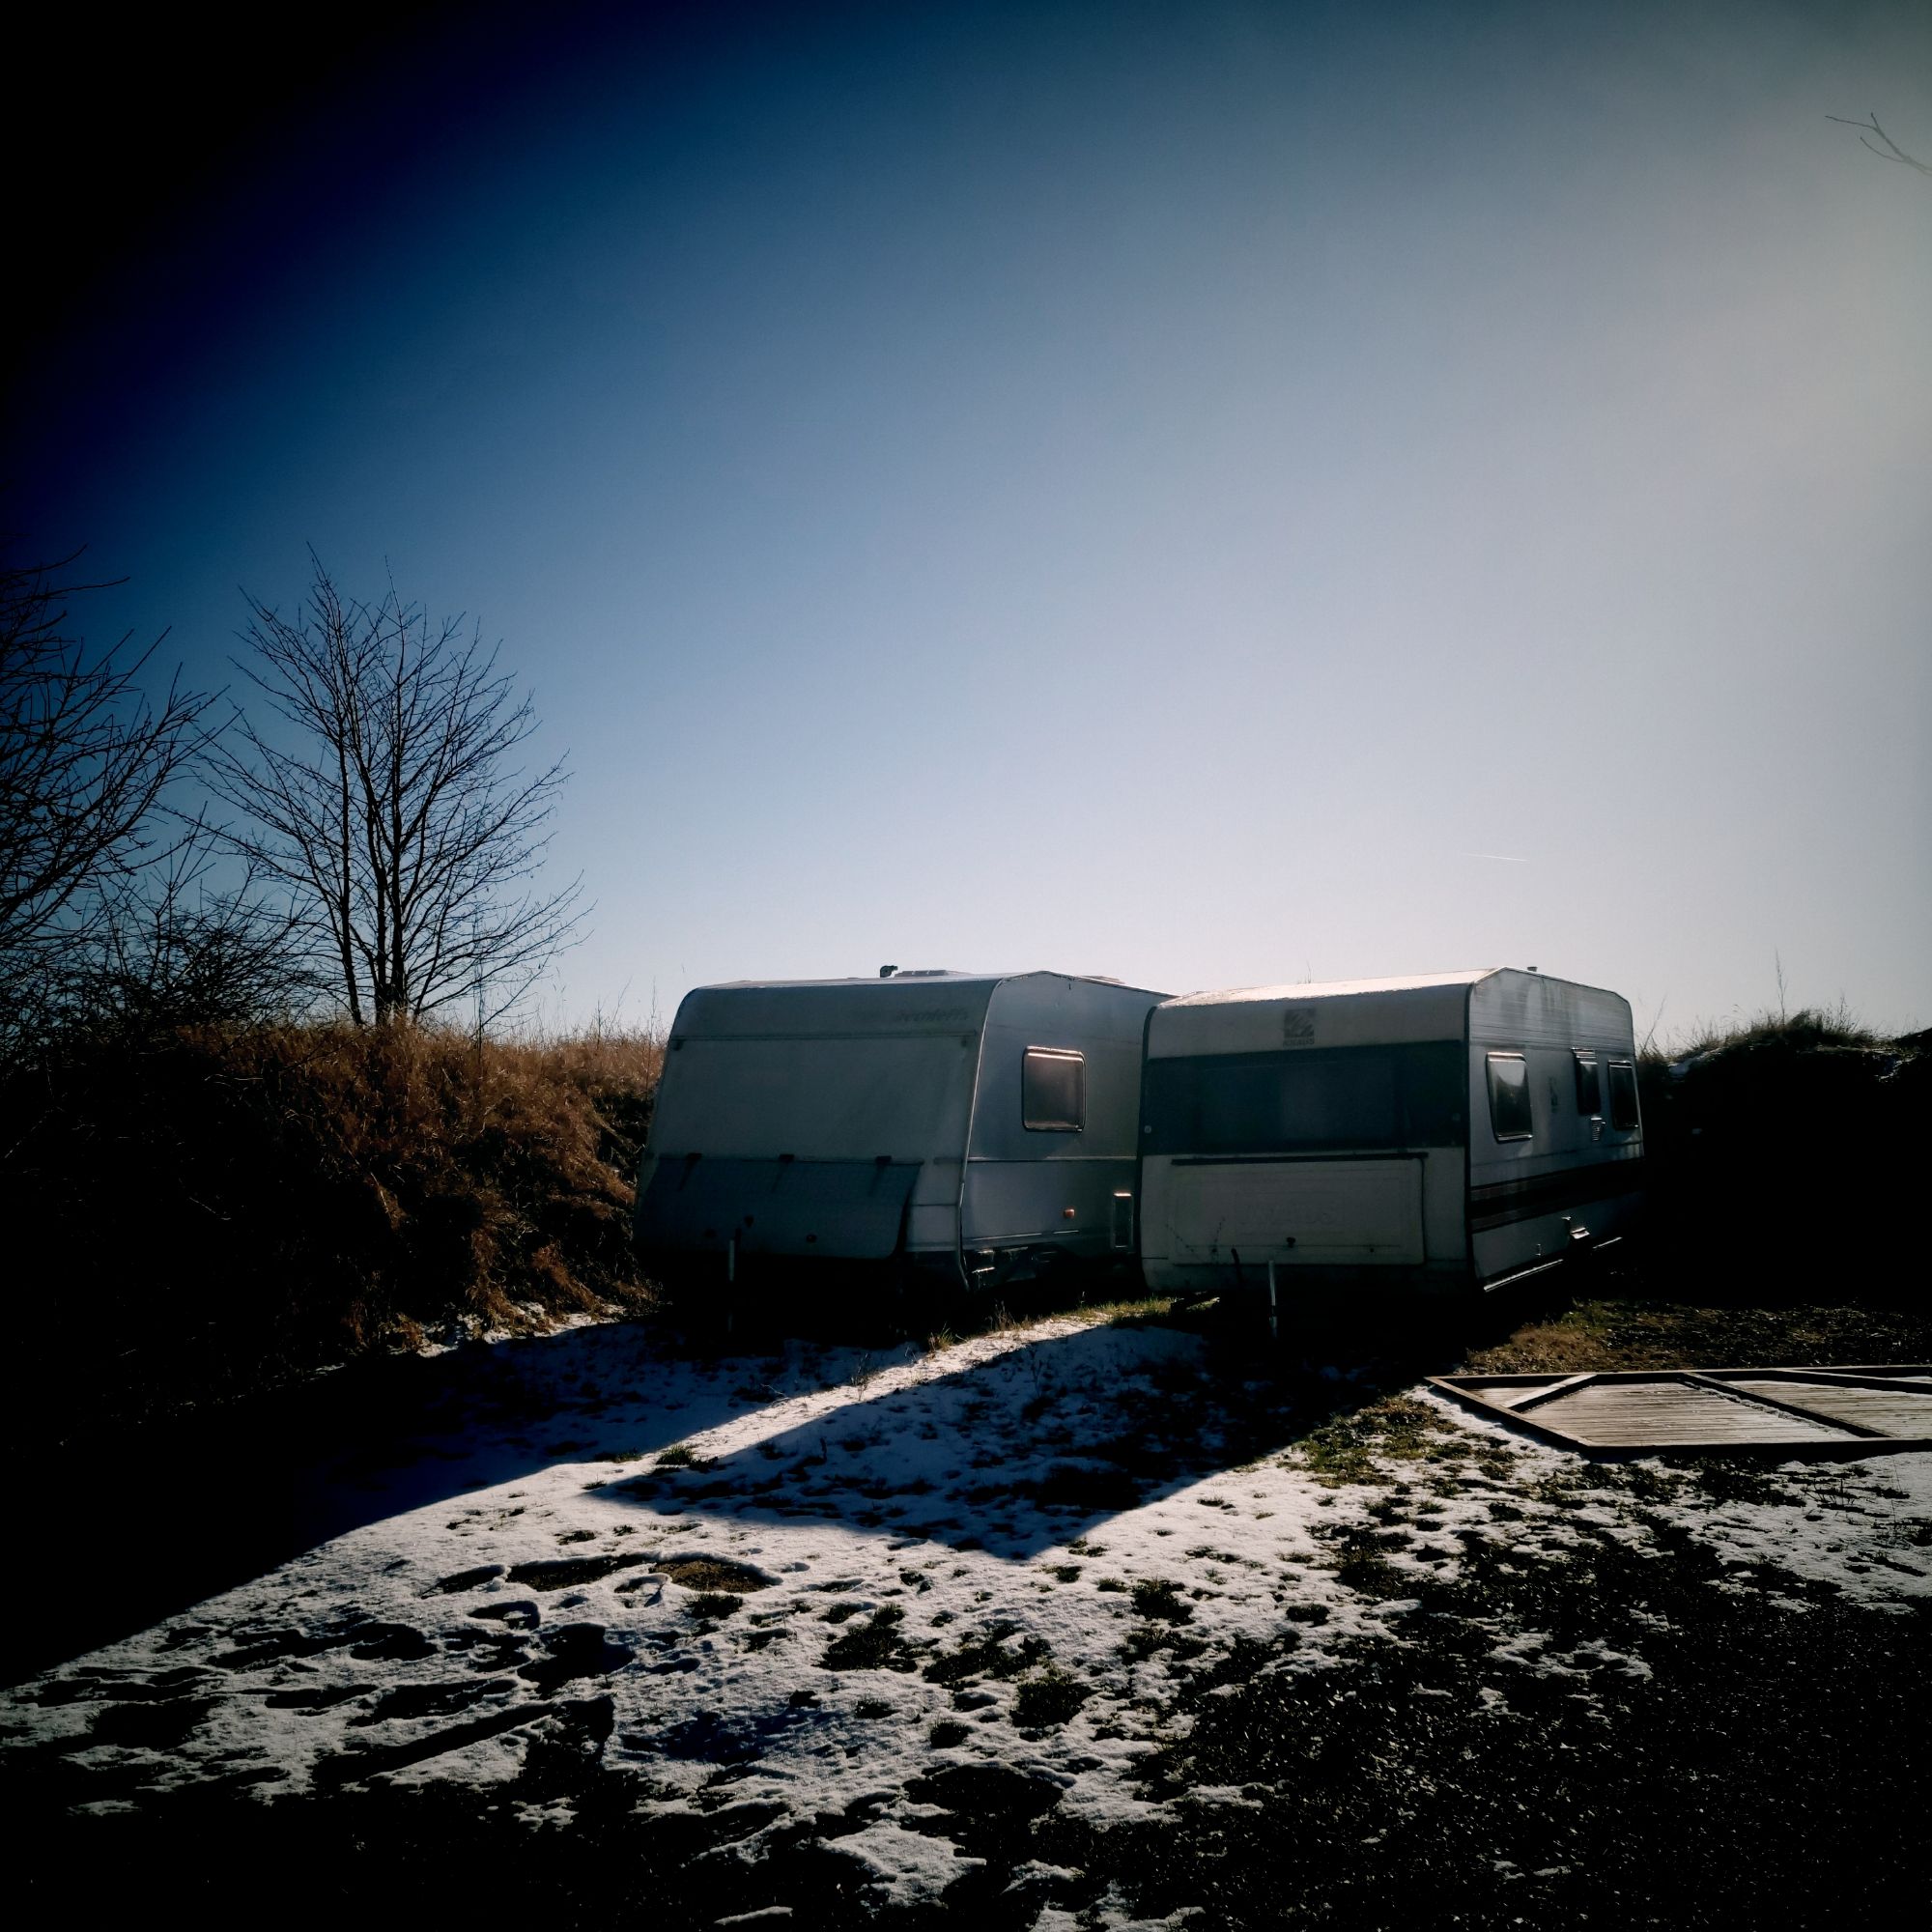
{"x": 1210, "y": 494}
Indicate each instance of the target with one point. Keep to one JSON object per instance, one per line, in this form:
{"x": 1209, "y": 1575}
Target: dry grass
{"x": 1575, "y": 1343}
{"x": 232, "y": 1206}
{"x": 1807, "y": 1030}
{"x": 1657, "y": 1334}
{"x": 492, "y": 1178}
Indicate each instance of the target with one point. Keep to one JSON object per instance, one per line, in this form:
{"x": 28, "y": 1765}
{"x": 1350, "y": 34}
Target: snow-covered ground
{"x": 818, "y": 1584}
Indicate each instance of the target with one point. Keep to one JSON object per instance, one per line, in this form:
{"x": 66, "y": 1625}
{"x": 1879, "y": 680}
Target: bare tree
{"x": 390, "y": 810}
{"x": 1885, "y": 148}
{"x": 84, "y": 758}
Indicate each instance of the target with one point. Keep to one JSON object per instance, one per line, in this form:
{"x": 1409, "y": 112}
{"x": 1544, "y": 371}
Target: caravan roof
{"x": 1521, "y": 1002}
{"x": 905, "y": 1003}
{"x": 1335, "y": 989}
{"x": 1331, "y": 1012}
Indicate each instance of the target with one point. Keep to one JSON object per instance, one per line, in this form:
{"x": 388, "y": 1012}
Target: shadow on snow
{"x": 125, "y": 1533}
{"x": 1015, "y": 1454}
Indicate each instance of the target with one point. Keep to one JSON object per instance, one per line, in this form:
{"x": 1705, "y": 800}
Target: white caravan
{"x": 1426, "y": 1133}
{"x": 980, "y": 1126}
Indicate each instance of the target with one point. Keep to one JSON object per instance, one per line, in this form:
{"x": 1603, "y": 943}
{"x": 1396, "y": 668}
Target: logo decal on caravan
{"x": 1297, "y": 1026}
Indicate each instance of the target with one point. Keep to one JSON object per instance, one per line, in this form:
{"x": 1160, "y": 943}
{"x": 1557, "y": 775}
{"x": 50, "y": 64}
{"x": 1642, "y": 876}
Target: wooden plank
{"x": 1542, "y": 1380}
{"x": 1900, "y": 1410}
{"x": 1907, "y": 1379}
{"x": 1677, "y": 1410}
{"x": 1533, "y": 1397}
{"x": 1472, "y": 1393}
{"x": 1507, "y": 1394}
{"x": 1914, "y": 1372}
{"x": 1783, "y": 1402}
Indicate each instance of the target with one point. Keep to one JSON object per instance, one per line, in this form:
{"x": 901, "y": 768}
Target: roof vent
{"x": 887, "y": 972}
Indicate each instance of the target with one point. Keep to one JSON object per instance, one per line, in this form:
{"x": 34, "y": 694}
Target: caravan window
{"x": 1308, "y": 1100}
{"x": 1589, "y": 1086}
{"x": 1053, "y": 1089}
{"x": 1623, "y": 1094}
{"x": 1509, "y": 1098}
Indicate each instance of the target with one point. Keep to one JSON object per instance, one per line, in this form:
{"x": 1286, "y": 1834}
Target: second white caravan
{"x": 1425, "y": 1134}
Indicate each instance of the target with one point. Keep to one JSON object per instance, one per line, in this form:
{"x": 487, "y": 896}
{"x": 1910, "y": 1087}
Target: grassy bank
{"x": 1787, "y": 1155}
{"x": 213, "y": 1211}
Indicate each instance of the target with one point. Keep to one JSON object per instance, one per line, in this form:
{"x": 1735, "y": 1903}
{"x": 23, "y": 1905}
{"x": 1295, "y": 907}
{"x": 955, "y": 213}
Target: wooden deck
{"x": 1796, "y": 1411}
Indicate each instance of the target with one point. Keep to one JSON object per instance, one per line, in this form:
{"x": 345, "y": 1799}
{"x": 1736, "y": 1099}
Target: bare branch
{"x": 85, "y": 756}
{"x": 1889, "y": 150}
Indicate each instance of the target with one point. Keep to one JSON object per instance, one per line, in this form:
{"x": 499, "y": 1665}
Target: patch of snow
{"x": 906, "y": 1866}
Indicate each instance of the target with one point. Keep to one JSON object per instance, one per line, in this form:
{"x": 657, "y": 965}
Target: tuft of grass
{"x": 1349, "y": 1448}
{"x": 1049, "y": 1699}
{"x": 1146, "y": 1641}
{"x": 569, "y": 1572}
{"x": 876, "y": 1644}
{"x": 715, "y": 1604}
{"x": 988, "y": 1656}
{"x": 1726, "y": 1480}
{"x": 1575, "y": 1342}
{"x": 1143, "y": 1311}
{"x": 1159, "y": 1600}
{"x": 714, "y": 1573}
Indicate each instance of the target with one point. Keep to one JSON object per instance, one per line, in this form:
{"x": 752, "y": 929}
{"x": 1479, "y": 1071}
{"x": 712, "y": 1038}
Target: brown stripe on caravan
{"x": 1498, "y": 1203}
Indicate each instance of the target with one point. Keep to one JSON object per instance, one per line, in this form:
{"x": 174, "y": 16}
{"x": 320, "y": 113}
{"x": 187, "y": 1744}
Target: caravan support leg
{"x": 1274, "y": 1313}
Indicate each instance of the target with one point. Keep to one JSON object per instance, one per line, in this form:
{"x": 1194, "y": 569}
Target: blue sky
{"x": 1151, "y": 489}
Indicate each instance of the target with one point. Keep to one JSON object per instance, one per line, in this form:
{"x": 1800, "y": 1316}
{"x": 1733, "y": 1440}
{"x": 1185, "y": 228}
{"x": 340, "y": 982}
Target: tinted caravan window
{"x": 1509, "y": 1098}
{"x": 1053, "y": 1089}
{"x": 1589, "y": 1088}
{"x": 1623, "y": 1094}
{"x": 1339, "y": 1099}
